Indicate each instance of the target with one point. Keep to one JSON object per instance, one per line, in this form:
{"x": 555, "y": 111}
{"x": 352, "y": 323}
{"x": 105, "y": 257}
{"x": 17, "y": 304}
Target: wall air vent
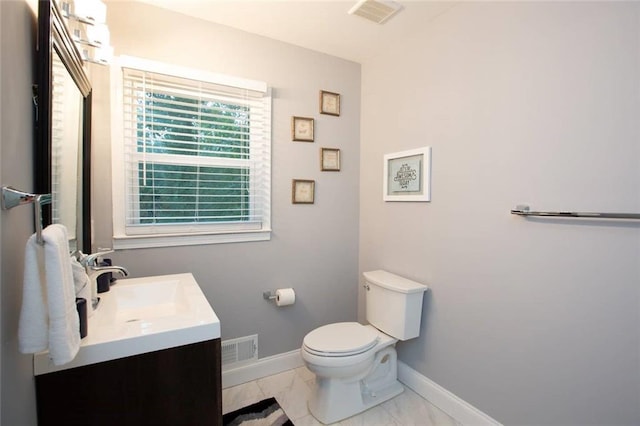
{"x": 378, "y": 11}
{"x": 239, "y": 351}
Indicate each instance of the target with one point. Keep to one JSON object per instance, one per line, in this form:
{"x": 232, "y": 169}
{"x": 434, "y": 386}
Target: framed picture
{"x": 329, "y": 103}
{"x": 302, "y": 129}
{"x": 329, "y": 160}
{"x": 303, "y": 191}
{"x": 407, "y": 175}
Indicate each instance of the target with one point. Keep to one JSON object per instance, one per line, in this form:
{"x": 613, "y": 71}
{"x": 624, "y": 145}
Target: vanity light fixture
{"x": 86, "y": 21}
{"x": 378, "y": 11}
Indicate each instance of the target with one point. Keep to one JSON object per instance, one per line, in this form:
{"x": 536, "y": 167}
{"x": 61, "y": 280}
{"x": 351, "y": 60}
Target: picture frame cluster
{"x": 303, "y": 130}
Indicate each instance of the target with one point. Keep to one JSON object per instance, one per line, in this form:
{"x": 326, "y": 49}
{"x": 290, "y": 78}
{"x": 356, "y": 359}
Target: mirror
{"x": 63, "y": 129}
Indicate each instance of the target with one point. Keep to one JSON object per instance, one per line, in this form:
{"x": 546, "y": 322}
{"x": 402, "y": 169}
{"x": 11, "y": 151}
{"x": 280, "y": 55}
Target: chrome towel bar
{"x": 12, "y": 197}
{"x": 525, "y": 211}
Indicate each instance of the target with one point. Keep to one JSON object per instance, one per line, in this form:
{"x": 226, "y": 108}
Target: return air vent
{"x": 240, "y": 350}
{"x": 377, "y": 11}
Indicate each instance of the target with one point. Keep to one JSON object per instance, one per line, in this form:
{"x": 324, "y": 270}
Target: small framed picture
{"x": 329, "y": 160}
{"x": 329, "y": 103}
{"x": 302, "y": 129}
{"x": 303, "y": 191}
{"x": 407, "y": 175}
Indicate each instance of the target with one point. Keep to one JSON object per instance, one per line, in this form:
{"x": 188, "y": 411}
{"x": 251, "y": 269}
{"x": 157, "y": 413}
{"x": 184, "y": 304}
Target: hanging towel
{"x": 81, "y": 283}
{"x": 64, "y": 324}
{"x": 33, "y": 328}
{"x": 59, "y": 293}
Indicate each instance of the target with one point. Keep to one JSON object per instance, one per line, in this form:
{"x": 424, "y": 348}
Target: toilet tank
{"x": 393, "y": 304}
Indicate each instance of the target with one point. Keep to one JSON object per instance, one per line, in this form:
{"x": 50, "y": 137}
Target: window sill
{"x": 148, "y": 241}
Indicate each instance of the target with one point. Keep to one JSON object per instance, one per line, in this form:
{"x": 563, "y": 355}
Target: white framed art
{"x": 407, "y": 175}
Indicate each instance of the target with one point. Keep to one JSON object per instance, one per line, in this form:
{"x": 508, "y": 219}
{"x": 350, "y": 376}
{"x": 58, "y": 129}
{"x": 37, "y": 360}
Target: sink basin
{"x": 145, "y": 301}
{"x": 140, "y": 315}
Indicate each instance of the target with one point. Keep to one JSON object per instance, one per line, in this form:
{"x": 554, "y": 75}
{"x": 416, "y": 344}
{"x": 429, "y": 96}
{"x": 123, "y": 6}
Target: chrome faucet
{"x": 90, "y": 263}
{"x": 91, "y": 259}
{"x": 95, "y": 271}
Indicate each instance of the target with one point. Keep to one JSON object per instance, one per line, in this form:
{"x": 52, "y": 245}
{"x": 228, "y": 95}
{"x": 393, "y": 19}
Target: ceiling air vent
{"x": 377, "y": 11}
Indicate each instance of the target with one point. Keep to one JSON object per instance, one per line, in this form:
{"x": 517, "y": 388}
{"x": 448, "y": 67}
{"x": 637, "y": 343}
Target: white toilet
{"x": 355, "y": 364}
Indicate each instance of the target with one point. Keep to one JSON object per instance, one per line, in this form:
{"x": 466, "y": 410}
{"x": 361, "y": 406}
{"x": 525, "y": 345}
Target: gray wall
{"x": 17, "y": 44}
{"x": 313, "y": 247}
{"x": 531, "y": 321}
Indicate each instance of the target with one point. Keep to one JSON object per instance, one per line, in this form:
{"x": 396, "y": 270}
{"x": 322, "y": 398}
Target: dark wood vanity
{"x": 179, "y": 386}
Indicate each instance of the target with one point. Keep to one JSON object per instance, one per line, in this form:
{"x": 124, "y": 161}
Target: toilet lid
{"x": 342, "y": 338}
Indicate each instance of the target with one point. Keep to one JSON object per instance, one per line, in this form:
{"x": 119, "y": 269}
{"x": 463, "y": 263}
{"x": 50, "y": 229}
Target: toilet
{"x": 356, "y": 365}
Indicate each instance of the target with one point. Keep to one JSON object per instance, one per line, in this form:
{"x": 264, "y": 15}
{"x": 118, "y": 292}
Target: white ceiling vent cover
{"x": 377, "y": 11}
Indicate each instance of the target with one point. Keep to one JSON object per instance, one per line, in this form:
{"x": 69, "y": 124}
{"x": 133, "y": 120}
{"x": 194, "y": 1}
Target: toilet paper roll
{"x": 285, "y": 296}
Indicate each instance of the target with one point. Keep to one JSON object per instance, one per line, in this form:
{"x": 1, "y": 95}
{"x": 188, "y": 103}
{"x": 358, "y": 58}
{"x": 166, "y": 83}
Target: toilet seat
{"x": 340, "y": 339}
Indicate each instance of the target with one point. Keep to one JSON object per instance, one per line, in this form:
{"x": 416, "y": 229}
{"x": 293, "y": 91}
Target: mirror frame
{"x": 53, "y": 36}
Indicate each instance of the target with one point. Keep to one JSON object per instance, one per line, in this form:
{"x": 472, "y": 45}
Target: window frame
{"x": 124, "y": 236}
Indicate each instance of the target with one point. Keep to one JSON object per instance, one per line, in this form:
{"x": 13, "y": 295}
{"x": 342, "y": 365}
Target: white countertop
{"x": 140, "y": 315}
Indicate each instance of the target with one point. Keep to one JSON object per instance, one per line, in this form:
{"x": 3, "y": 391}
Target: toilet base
{"x": 328, "y": 411}
{"x": 336, "y": 399}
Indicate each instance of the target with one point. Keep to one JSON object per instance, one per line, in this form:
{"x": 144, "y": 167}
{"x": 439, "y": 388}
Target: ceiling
{"x": 321, "y": 25}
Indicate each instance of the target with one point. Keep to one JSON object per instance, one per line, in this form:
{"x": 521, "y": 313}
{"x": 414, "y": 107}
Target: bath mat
{"x": 264, "y": 413}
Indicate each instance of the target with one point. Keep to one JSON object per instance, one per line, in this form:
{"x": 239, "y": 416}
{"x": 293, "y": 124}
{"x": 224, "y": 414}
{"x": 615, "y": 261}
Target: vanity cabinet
{"x": 176, "y": 386}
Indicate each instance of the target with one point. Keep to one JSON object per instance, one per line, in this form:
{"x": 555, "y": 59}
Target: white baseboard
{"x": 263, "y": 367}
{"x": 457, "y": 408}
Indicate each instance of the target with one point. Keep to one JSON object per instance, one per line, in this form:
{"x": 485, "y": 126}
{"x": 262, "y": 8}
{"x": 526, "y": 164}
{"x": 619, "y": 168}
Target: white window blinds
{"x": 196, "y": 155}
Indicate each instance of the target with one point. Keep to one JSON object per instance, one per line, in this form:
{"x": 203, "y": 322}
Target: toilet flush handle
{"x": 366, "y": 286}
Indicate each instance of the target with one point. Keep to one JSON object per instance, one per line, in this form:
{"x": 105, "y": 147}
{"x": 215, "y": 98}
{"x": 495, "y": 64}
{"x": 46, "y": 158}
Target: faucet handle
{"x": 92, "y": 259}
{"x": 78, "y": 254}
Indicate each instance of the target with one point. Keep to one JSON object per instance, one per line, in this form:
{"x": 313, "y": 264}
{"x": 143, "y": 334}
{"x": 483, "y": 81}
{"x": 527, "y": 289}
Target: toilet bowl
{"x": 350, "y": 378}
{"x": 356, "y": 365}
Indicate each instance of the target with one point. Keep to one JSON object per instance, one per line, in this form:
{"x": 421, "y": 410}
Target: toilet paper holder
{"x": 281, "y": 296}
{"x": 269, "y": 295}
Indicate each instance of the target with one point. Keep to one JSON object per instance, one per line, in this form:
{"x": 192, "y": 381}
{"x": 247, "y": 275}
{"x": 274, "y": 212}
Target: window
{"x": 193, "y": 161}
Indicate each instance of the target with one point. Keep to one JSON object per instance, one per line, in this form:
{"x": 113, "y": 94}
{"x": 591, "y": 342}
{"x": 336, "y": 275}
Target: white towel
{"x": 33, "y": 327}
{"x": 81, "y": 283}
{"x": 64, "y": 324}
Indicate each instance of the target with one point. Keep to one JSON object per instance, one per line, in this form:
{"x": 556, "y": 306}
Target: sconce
{"x": 86, "y": 21}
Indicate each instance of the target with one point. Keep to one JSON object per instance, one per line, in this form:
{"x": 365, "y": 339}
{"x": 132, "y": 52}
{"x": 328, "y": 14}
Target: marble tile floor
{"x": 291, "y": 389}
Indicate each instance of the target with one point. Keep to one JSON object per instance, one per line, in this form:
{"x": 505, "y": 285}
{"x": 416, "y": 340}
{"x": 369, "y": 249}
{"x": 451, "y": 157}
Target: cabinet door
{"x": 177, "y": 386}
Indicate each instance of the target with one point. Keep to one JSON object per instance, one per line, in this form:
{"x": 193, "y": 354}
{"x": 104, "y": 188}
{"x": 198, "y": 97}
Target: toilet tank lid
{"x": 393, "y": 282}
